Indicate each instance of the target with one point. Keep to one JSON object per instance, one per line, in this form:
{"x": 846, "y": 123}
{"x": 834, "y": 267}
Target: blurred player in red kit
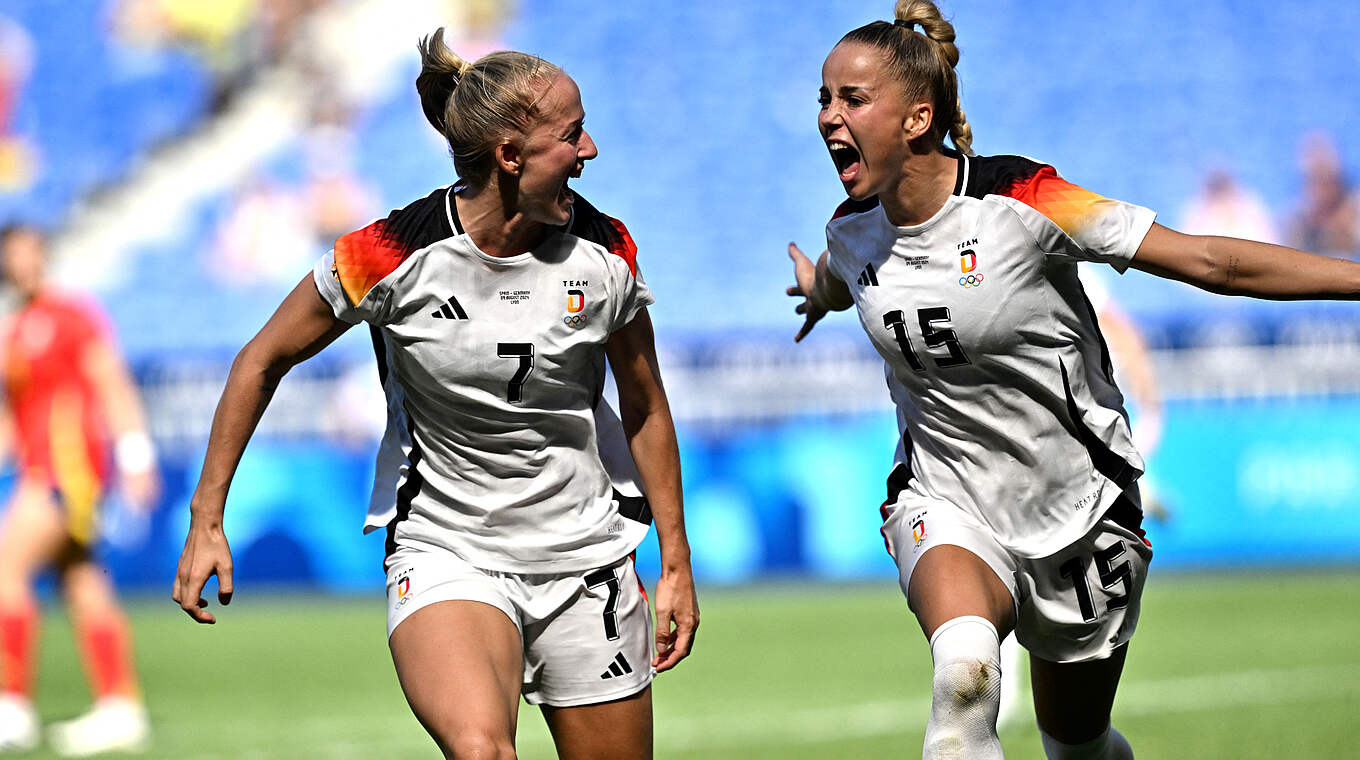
{"x": 68, "y": 396}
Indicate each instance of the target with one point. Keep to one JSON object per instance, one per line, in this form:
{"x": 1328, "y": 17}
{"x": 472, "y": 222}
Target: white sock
{"x": 1110, "y": 745}
{"x": 966, "y": 691}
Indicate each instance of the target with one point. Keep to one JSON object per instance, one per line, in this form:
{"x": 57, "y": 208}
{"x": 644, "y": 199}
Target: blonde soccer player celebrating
{"x": 1013, "y": 501}
{"x": 505, "y": 484}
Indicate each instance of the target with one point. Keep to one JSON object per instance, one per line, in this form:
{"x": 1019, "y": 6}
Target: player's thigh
{"x": 1072, "y": 700}
{"x": 32, "y": 536}
{"x": 617, "y": 730}
{"x": 460, "y": 663}
{"x": 949, "y": 567}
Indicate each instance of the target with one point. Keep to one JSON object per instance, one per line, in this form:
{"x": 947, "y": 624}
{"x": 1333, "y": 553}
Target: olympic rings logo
{"x": 574, "y": 320}
{"x": 971, "y": 281}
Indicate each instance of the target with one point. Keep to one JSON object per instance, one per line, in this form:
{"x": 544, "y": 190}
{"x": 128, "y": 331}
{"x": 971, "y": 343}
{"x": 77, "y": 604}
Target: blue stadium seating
{"x": 92, "y": 107}
{"x": 705, "y": 117}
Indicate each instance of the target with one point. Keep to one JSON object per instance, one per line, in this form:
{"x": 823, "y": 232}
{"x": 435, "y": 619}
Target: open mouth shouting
{"x": 565, "y": 196}
{"x": 847, "y": 160}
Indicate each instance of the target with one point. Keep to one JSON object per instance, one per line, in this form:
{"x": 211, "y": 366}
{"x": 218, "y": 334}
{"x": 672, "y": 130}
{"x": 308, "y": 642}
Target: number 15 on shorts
{"x": 1111, "y": 572}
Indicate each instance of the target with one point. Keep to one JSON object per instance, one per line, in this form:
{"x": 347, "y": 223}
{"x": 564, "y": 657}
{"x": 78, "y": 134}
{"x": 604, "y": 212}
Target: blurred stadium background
{"x": 192, "y": 158}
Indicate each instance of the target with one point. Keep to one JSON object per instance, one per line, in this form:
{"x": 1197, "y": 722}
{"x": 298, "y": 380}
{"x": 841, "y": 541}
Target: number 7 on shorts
{"x": 605, "y": 577}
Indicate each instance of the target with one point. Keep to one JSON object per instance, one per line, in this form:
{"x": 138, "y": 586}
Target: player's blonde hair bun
{"x": 924, "y": 62}
{"x": 477, "y": 105}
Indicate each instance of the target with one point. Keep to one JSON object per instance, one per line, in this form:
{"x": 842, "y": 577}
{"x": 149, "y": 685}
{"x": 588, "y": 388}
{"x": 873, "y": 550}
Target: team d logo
{"x": 403, "y": 590}
{"x": 576, "y": 305}
{"x": 968, "y": 266}
{"x": 918, "y": 531}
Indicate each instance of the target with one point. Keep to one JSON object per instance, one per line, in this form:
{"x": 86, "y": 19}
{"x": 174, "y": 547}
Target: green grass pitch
{"x": 1224, "y": 666}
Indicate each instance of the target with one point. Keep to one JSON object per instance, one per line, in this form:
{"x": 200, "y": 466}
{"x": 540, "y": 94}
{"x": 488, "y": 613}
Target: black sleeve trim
{"x": 994, "y": 175}
{"x": 589, "y": 223}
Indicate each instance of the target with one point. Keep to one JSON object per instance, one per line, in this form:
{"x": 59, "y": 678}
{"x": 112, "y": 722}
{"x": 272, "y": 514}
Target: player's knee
{"x": 965, "y": 691}
{"x": 968, "y": 683}
{"x": 965, "y": 698}
{"x": 477, "y": 744}
{"x": 88, "y": 592}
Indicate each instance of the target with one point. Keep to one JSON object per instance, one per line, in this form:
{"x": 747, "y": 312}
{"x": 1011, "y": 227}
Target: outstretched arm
{"x": 1243, "y": 267}
{"x": 822, "y": 290}
{"x": 302, "y": 326}
{"x": 647, "y": 423}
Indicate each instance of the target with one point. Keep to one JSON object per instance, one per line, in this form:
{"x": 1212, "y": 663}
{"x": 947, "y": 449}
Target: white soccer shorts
{"x": 1076, "y": 605}
{"x": 587, "y": 636}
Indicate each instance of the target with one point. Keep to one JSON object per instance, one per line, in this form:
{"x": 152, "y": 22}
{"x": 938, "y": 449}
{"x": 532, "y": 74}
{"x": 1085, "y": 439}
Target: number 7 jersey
{"x": 1003, "y": 386}
{"x": 499, "y": 446}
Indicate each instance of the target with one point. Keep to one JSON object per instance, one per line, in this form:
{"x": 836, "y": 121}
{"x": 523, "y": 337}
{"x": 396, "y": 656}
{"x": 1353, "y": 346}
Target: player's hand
{"x": 677, "y": 617}
{"x": 805, "y": 274}
{"x": 142, "y": 488}
{"x": 205, "y": 554}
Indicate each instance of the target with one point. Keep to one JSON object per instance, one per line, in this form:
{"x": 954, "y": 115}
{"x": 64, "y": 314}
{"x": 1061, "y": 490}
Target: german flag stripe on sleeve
{"x": 364, "y": 257}
{"x": 588, "y": 223}
{"x": 1070, "y": 207}
{"x": 621, "y": 244}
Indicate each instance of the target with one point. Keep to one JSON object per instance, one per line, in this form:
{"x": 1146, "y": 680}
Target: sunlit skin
{"x": 899, "y": 160}
{"x": 555, "y": 150}
{"x": 528, "y": 194}
{"x": 24, "y": 261}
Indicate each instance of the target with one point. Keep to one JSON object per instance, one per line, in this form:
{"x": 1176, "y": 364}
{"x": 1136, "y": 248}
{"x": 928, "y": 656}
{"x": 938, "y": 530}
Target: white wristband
{"x": 134, "y": 453}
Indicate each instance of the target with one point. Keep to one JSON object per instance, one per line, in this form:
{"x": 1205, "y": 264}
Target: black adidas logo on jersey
{"x": 617, "y": 668}
{"x": 868, "y": 276}
{"x": 450, "y": 310}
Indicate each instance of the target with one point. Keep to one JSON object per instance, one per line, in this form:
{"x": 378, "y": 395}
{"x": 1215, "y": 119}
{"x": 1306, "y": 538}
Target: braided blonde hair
{"x": 476, "y": 105}
{"x": 924, "y": 62}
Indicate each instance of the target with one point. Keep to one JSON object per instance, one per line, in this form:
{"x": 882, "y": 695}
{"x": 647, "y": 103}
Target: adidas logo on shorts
{"x": 618, "y": 667}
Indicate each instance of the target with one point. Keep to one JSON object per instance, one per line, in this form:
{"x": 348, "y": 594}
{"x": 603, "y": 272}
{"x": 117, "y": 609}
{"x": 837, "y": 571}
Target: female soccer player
{"x": 504, "y": 482}
{"x": 1012, "y": 502}
{"x": 67, "y": 393}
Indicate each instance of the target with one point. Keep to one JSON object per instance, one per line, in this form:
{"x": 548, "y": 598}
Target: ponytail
{"x": 477, "y": 105}
{"x": 924, "y": 61}
{"x": 441, "y": 70}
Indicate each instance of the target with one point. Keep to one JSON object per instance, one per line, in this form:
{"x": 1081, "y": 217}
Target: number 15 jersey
{"x": 498, "y": 446}
{"x": 1003, "y": 386}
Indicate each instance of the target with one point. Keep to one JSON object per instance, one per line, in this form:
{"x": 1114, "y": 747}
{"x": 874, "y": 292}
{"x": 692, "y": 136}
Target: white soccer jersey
{"x": 498, "y": 446}
{"x": 1002, "y": 381}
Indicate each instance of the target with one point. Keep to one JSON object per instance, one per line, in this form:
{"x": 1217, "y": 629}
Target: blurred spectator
{"x": 337, "y": 199}
{"x": 1328, "y": 219}
{"x": 280, "y": 21}
{"x": 273, "y": 230}
{"x": 1224, "y": 207}
{"x": 221, "y": 33}
{"x": 482, "y": 25}
{"x": 234, "y": 38}
{"x": 16, "y": 62}
{"x": 266, "y": 236}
